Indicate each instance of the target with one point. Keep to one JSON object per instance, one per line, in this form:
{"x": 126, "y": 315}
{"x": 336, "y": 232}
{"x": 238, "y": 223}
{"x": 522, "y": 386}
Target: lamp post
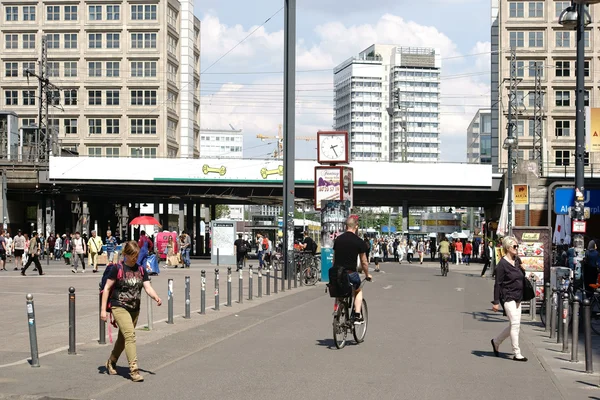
{"x": 509, "y": 143}
{"x": 576, "y": 16}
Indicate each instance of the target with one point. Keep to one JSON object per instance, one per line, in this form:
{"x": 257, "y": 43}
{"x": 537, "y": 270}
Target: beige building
{"x": 128, "y": 73}
{"x": 532, "y": 28}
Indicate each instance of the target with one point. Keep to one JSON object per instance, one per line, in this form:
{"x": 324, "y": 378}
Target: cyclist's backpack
{"x": 265, "y": 244}
{"x": 105, "y": 275}
{"x": 339, "y": 283}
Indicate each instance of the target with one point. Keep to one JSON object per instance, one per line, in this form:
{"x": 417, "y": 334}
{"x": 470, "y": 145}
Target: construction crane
{"x": 278, "y": 153}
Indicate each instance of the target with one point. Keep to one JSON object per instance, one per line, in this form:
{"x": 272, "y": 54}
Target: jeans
{"x": 513, "y": 311}
{"x": 185, "y": 257}
{"x": 109, "y": 256}
{"x": 76, "y": 259}
{"x": 36, "y": 260}
{"x": 486, "y": 266}
{"x": 261, "y": 261}
{"x": 126, "y": 321}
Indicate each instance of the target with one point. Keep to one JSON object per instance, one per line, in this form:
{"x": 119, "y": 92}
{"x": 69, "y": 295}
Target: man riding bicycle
{"x": 347, "y": 248}
{"x": 444, "y": 250}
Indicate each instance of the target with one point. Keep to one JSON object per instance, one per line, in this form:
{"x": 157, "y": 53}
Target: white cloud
{"x": 257, "y": 107}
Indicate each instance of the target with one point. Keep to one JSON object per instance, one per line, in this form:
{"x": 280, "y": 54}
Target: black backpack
{"x": 339, "y": 282}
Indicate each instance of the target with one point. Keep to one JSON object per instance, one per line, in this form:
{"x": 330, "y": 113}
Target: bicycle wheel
{"x": 595, "y": 315}
{"x": 543, "y": 313}
{"x": 278, "y": 265}
{"x": 310, "y": 276}
{"x": 360, "y": 331}
{"x": 340, "y": 322}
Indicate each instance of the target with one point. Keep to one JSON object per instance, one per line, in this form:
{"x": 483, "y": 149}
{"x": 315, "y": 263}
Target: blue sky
{"x": 327, "y": 34}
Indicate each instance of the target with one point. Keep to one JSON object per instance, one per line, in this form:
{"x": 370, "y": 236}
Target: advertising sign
{"x": 521, "y": 194}
{"x": 440, "y": 223}
{"x": 333, "y": 223}
{"x": 535, "y": 252}
{"x": 223, "y": 237}
{"x": 565, "y": 198}
{"x": 348, "y": 185}
{"x": 333, "y": 183}
{"x": 592, "y": 129}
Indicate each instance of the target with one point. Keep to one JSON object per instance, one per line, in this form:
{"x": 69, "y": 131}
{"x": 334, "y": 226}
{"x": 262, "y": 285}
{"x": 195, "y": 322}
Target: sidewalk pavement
{"x": 50, "y": 294}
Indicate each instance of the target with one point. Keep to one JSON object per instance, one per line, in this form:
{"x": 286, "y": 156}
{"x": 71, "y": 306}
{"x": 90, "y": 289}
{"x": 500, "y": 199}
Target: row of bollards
{"x": 170, "y": 304}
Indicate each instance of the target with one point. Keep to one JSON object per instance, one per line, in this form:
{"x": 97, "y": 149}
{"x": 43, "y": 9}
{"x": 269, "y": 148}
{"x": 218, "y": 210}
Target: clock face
{"x": 332, "y": 148}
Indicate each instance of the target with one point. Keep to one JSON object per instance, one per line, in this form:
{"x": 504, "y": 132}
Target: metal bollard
{"x": 72, "y": 321}
{"x": 575, "y": 333}
{"x": 289, "y": 275}
{"x": 269, "y": 281}
{"x": 275, "y": 280}
{"x": 553, "y": 313}
{"x": 101, "y": 324}
{"x": 228, "y": 286}
{"x": 217, "y": 305}
{"x": 548, "y": 300}
{"x": 217, "y": 257}
{"x": 565, "y": 323}
{"x": 170, "y": 301}
{"x": 587, "y": 329}
{"x": 259, "y": 282}
{"x": 284, "y": 276}
{"x": 241, "y": 288}
{"x": 187, "y": 298}
{"x": 296, "y": 273}
{"x": 203, "y": 292}
{"x": 559, "y": 325}
{"x": 533, "y": 304}
{"x": 250, "y": 280}
{"x": 35, "y": 359}
{"x": 149, "y": 312}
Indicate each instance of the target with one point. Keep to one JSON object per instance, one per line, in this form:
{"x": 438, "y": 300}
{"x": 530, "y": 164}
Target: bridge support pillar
{"x": 156, "y": 205}
{"x": 181, "y": 225}
{"x": 200, "y": 235}
{"x": 165, "y": 216}
{"x": 189, "y": 225}
{"x": 405, "y": 216}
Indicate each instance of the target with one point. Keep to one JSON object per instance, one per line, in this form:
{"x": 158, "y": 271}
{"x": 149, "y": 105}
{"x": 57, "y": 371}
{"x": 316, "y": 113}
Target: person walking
{"x": 184, "y": 248}
{"x": 377, "y": 252}
{"x": 9, "y": 242}
{"x": 488, "y": 255}
{"x": 590, "y": 267}
{"x": 458, "y": 249}
{"x": 467, "y": 252}
{"x": 94, "y": 248}
{"x": 410, "y": 251}
{"x": 421, "y": 250}
{"x": 18, "y": 248}
{"x": 3, "y": 249}
{"x": 79, "y": 253}
{"x": 125, "y": 299}
{"x": 395, "y": 246}
{"x": 67, "y": 248}
{"x": 508, "y": 290}
{"x": 111, "y": 247}
{"x": 51, "y": 242}
{"x": 34, "y": 255}
{"x": 240, "y": 247}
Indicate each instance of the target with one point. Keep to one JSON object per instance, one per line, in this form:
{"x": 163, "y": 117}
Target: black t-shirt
{"x": 346, "y": 249}
{"x": 127, "y": 292}
{"x": 240, "y": 245}
{"x": 310, "y": 245}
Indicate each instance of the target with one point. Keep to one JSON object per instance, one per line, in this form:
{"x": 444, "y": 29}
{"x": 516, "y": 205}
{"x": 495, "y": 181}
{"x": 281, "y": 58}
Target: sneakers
{"x": 74, "y": 270}
{"x": 110, "y": 367}
{"x": 359, "y": 320}
{"x": 136, "y": 377}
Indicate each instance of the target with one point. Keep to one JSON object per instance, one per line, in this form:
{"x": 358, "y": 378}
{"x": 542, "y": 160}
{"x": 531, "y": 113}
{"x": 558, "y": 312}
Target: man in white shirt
{"x": 79, "y": 252}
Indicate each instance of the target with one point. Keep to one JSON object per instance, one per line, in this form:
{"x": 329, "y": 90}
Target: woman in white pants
{"x": 508, "y": 290}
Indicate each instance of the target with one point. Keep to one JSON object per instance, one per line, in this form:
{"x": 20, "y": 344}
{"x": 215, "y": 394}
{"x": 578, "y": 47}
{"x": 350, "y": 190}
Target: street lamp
{"x": 509, "y": 143}
{"x": 577, "y": 17}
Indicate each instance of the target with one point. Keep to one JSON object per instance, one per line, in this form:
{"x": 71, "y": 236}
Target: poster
{"x": 592, "y": 129}
{"x": 348, "y": 185}
{"x": 521, "y": 194}
{"x": 327, "y": 184}
{"x": 223, "y": 237}
{"x": 333, "y": 223}
{"x": 534, "y": 251}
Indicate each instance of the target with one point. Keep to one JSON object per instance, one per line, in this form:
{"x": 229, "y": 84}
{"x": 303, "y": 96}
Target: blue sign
{"x": 326, "y": 263}
{"x": 565, "y": 198}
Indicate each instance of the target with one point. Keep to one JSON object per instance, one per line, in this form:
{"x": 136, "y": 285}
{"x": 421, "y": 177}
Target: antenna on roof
{"x": 232, "y": 128}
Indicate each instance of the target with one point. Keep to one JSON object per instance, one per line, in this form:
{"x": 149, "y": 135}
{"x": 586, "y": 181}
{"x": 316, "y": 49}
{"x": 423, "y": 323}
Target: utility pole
{"x": 538, "y": 118}
{"x": 511, "y": 141}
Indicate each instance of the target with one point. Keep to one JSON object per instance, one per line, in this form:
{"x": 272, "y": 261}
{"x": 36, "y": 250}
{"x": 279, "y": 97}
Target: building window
{"x": 143, "y": 12}
{"x": 94, "y": 97}
{"x": 11, "y": 41}
{"x": 70, "y": 126}
{"x": 11, "y": 97}
{"x": 70, "y": 69}
{"x": 171, "y": 100}
{"x": 520, "y": 128}
{"x": 149, "y": 126}
{"x": 559, "y": 7}
{"x": 150, "y": 69}
{"x": 520, "y": 68}
{"x": 54, "y": 97}
{"x": 172, "y": 72}
{"x": 94, "y": 126}
{"x": 150, "y": 12}
{"x": 28, "y": 66}
{"x": 29, "y": 41}
{"x": 536, "y": 9}
{"x": 70, "y": 97}
{"x": 71, "y": 13}
{"x": 28, "y": 122}
{"x": 586, "y": 98}
{"x": 113, "y": 126}
{"x": 11, "y": 69}
{"x": 536, "y": 39}
{"x": 562, "y": 128}
{"x": 532, "y": 67}
{"x": 563, "y": 39}
{"x": 95, "y": 40}
{"x": 563, "y": 98}
{"x": 531, "y": 97}
{"x": 145, "y": 126}
{"x": 29, "y": 13}
{"x": 171, "y": 129}
{"x": 137, "y": 69}
{"x": 562, "y": 158}
{"x": 172, "y": 17}
{"x": 149, "y": 40}
{"x": 586, "y": 38}
{"x": 171, "y": 153}
{"x": 150, "y": 152}
{"x": 586, "y": 68}
{"x": 53, "y": 69}
{"x": 112, "y": 152}
{"x": 137, "y": 126}
{"x": 113, "y": 40}
{"x": 586, "y": 158}
{"x": 143, "y": 40}
{"x": 94, "y": 151}
{"x": 172, "y": 45}
{"x": 95, "y": 13}
{"x": 29, "y": 97}
{"x": 53, "y": 13}
{"x": 70, "y": 40}
{"x": 12, "y": 13}
{"x": 113, "y": 13}
{"x": 113, "y": 69}
{"x": 563, "y": 69}
{"x": 113, "y": 97}
{"x": 94, "y": 69}
{"x": 516, "y": 9}
{"x": 53, "y": 40}
{"x": 143, "y": 97}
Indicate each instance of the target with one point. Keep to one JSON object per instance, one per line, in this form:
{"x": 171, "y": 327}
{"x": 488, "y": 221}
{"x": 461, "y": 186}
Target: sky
{"x": 242, "y": 83}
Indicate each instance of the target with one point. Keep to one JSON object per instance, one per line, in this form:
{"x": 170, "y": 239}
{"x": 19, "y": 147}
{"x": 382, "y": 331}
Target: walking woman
{"x": 508, "y": 291}
{"x": 125, "y": 302}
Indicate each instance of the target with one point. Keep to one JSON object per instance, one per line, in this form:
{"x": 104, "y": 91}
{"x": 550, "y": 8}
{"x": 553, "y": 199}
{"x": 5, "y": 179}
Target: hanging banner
{"x": 592, "y": 131}
{"x": 521, "y": 194}
{"x": 348, "y": 185}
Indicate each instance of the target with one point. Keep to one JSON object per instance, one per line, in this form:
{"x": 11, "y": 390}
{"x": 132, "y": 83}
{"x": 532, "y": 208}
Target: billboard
{"x": 223, "y": 237}
{"x": 333, "y": 183}
{"x": 440, "y": 223}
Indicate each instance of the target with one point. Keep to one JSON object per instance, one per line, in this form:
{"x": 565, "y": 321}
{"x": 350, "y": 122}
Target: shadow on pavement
{"x": 485, "y": 316}
{"x": 329, "y": 343}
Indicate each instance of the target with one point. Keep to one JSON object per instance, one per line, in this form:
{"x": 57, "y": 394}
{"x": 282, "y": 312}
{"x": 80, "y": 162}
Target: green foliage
{"x": 222, "y": 211}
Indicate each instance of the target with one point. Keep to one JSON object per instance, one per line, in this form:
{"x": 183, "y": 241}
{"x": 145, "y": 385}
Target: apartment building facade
{"x": 388, "y": 99}
{"x": 128, "y": 73}
{"x": 479, "y": 138}
{"x": 221, "y": 143}
{"x": 532, "y": 29}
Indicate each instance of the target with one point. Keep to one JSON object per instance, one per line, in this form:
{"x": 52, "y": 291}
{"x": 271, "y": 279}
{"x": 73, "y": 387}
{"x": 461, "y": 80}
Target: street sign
{"x": 521, "y": 194}
{"x": 578, "y": 226}
{"x": 565, "y": 198}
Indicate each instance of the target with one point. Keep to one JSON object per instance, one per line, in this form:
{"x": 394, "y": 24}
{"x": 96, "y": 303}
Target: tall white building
{"x": 221, "y": 143}
{"x": 129, "y": 73}
{"x": 388, "y": 99}
{"x": 479, "y": 138}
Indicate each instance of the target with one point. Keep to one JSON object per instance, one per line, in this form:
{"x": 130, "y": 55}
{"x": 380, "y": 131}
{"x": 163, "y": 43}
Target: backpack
{"x": 105, "y": 275}
{"x": 265, "y": 244}
{"x": 314, "y": 247}
{"x": 339, "y": 282}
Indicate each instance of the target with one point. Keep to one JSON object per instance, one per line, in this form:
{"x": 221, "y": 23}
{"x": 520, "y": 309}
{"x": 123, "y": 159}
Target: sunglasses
{"x": 515, "y": 246}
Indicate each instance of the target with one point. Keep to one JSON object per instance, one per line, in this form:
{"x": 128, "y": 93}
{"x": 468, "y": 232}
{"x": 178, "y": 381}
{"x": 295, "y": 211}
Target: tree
{"x": 222, "y": 211}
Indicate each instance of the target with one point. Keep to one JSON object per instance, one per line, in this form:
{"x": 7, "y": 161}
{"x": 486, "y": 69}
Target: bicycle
{"x": 444, "y": 267}
{"x": 343, "y": 322}
{"x": 567, "y": 285}
{"x": 312, "y": 272}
